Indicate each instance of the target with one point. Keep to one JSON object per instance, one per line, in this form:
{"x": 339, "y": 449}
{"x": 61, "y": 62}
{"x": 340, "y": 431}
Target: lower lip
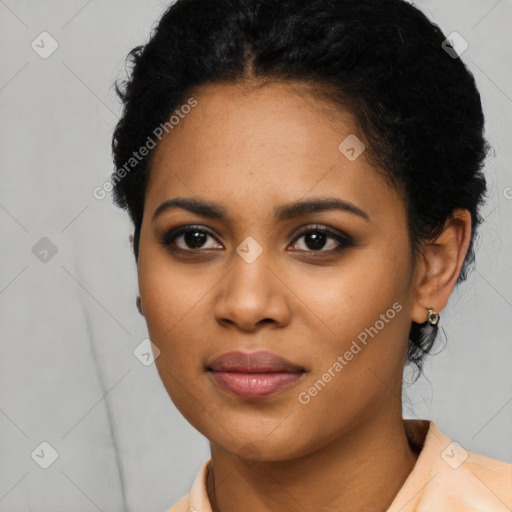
{"x": 255, "y": 385}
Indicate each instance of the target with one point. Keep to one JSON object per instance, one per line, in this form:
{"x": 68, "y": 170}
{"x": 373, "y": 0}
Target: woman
{"x": 304, "y": 178}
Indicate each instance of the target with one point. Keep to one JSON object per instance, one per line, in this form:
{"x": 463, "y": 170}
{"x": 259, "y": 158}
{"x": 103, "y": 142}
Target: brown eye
{"x": 319, "y": 239}
{"x": 189, "y": 238}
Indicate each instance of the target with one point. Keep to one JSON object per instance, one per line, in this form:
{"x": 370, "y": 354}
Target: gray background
{"x": 69, "y": 326}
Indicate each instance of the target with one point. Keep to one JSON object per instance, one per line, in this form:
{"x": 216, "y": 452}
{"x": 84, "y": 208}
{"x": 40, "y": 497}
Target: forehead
{"x": 255, "y": 145}
{"x": 233, "y": 118}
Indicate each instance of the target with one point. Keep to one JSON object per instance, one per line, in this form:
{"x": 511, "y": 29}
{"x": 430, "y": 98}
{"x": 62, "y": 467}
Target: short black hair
{"x": 384, "y": 61}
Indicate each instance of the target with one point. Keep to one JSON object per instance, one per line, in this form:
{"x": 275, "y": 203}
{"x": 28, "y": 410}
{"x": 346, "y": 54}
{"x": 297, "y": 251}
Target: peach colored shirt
{"x": 445, "y": 478}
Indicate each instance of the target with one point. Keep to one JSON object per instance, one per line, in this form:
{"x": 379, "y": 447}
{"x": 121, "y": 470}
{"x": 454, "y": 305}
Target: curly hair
{"x": 383, "y": 61}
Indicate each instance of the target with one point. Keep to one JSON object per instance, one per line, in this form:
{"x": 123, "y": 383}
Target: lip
{"x": 253, "y": 374}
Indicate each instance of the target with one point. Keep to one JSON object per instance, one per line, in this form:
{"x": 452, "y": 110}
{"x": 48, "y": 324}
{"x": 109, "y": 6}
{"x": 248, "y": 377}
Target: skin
{"x": 252, "y": 149}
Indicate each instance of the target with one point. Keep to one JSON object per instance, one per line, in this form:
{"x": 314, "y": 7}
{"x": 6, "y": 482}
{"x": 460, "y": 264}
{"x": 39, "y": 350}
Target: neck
{"x": 363, "y": 469}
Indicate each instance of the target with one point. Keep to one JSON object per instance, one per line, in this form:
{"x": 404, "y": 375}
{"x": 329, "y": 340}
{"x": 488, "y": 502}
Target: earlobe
{"x": 441, "y": 264}
{"x": 139, "y": 305}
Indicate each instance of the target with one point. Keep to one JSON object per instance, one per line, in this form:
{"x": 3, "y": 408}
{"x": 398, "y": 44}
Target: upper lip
{"x": 252, "y": 362}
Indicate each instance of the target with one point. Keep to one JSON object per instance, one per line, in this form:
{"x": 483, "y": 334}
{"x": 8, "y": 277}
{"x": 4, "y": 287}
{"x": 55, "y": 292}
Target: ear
{"x": 139, "y": 305}
{"x": 439, "y": 265}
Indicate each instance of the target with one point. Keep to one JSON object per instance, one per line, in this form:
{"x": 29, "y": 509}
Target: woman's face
{"x": 336, "y": 306}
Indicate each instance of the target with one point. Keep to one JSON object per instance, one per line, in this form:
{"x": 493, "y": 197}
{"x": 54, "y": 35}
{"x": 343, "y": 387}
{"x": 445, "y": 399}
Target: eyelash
{"x": 343, "y": 240}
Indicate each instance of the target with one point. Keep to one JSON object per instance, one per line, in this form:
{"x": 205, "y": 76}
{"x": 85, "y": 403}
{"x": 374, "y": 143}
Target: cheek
{"x": 353, "y": 296}
{"x": 366, "y": 308}
{"x": 174, "y": 317}
{"x": 176, "y": 310}
{"x": 168, "y": 291}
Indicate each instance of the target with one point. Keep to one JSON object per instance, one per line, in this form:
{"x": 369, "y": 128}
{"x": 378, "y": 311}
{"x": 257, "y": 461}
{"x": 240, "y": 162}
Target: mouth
{"x": 252, "y": 375}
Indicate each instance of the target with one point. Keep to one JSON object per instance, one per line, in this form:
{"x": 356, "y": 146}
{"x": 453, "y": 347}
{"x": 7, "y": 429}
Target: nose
{"x": 252, "y": 294}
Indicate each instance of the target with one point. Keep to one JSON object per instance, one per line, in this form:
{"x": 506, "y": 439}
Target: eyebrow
{"x": 281, "y": 213}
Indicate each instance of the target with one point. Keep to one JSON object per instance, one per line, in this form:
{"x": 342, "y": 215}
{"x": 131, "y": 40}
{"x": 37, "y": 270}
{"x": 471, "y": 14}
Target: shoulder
{"x": 479, "y": 483}
{"x": 447, "y": 477}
